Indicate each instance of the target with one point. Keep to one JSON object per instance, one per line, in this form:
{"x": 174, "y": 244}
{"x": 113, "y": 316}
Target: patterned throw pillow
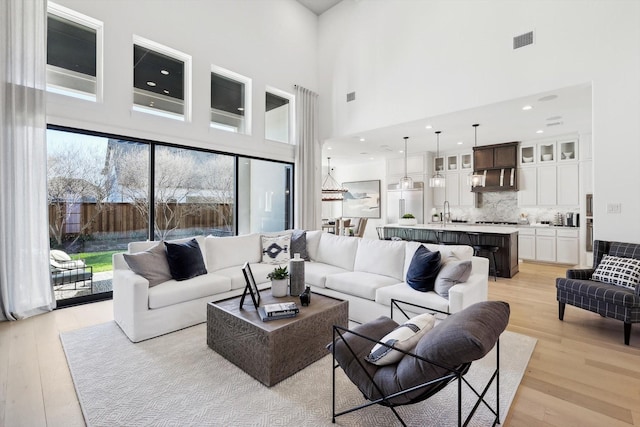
{"x": 405, "y": 337}
{"x": 276, "y": 249}
{"x": 618, "y": 271}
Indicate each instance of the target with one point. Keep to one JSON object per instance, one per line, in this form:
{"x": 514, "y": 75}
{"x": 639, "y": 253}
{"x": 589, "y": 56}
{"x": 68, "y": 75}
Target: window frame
{"x": 94, "y": 24}
{"x": 187, "y": 79}
{"x": 291, "y": 116}
{"x": 248, "y": 90}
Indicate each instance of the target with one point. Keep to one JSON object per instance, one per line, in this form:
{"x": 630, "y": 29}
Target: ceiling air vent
{"x": 555, "y": 124}
{"x": 351, "y": 96}
{"x": 523, "y": 40}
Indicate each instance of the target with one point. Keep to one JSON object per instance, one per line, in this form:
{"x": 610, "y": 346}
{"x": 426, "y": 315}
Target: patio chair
{"x": 66, "y": 271}
{"x": 443, "y": 355}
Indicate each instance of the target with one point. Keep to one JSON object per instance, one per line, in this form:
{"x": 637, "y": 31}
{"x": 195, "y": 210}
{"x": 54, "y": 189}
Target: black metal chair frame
{"x": 454, "y": 374}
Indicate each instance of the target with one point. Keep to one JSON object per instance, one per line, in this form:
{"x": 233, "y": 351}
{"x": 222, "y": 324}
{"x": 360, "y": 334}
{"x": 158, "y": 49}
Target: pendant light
{"x": 437, "y": 180}
{"x": 332, "y": 191}
{"x": 476, "y": 179}
{"x": 406, "y": 182}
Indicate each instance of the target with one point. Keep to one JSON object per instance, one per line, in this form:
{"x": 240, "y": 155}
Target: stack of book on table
{"x": 278, "y": 311}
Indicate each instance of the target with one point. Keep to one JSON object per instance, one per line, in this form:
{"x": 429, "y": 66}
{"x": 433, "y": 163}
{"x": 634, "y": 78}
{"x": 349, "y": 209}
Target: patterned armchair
{"x": 608, "y": 300}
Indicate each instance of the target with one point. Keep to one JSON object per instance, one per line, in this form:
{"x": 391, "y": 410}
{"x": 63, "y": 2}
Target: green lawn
{"x": 101, "y": 261}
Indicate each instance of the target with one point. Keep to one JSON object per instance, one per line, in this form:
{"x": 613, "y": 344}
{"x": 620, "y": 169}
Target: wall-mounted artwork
{"x": 362, "y": 199}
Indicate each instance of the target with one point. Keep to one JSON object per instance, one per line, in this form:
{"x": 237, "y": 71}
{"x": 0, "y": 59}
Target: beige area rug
{"x": 177, "y": 380}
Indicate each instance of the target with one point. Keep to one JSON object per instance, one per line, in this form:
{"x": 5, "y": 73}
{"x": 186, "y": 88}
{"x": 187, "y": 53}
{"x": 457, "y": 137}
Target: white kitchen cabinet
{"x": 546, "y": 152}
{"x": 567, "y": 150}
{"x": 567, "y": 247}
{"x": 415, "y": 164}
{"x": 546, "y": 185}
{"x": 545, "y": 245}
{"x": 568, "y": 188}
{"x": 452, "y": 188}
{"x": 527, "y": 154}
{"x": 527, "y": 186}
{"x": 466, "y": 195}
{"x": 527, "y": 244}
{"x": 466, "y": 162}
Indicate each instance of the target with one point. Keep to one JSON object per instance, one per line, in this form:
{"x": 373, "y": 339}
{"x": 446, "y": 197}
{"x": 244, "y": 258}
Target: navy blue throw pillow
{"x": 423, "y": 269}
{"x": 185, "y": 260}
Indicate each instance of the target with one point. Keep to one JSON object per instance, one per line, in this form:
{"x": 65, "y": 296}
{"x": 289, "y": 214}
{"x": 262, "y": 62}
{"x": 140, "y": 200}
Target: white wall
{"x": 408, "y": 60}
{"x": 272, "y": 42}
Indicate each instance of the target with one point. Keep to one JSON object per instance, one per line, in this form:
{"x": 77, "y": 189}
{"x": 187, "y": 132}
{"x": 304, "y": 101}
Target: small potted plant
{"x": 278, "y": 278}
{"x": 407, "y": 219}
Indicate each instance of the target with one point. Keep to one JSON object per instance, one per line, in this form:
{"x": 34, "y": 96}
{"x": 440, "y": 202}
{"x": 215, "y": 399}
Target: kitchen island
{"x": 504, "y": 237}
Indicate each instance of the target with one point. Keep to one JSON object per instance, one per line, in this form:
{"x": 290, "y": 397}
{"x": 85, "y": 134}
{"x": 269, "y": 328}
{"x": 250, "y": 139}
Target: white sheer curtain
{"x": 308, "y": 152}
{"x": 25, "y": 283}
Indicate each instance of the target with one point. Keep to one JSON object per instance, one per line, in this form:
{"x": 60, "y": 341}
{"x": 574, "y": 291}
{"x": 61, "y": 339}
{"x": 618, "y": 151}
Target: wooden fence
{"x": 124, "y": 217}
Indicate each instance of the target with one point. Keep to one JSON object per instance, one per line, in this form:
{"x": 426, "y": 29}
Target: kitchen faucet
{"x": 446, "y": 215}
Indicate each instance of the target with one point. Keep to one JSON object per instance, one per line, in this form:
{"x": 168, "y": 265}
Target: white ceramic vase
{"x": 279, "y": 288}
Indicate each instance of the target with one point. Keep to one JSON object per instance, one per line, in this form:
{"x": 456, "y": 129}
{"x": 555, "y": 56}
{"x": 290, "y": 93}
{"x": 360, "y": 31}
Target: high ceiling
{"x": 557, "y": 113}
{"x": 319, "y": 6}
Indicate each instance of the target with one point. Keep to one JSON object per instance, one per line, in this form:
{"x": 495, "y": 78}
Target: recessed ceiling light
{"x": 361, "y": 139}
{"x": 166, "y": 92}
{"x": 370, "y": 158}
{"x": 151, "y": 104}
{"x": 401, "y": 151}
{"x": 329, "y": 148}
{"x": 165, "y": 72}
{"x": 240, "y": 108}
{"x": 428, "y": 127}
{"x": 459, "y": 142}
{"x": 150, "y": 83}
{"x": 539, "y": 131}
{"x": 527, "y": 107}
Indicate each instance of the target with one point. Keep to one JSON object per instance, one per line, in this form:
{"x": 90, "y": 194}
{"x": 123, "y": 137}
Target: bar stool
{"x": 489, "y": 250}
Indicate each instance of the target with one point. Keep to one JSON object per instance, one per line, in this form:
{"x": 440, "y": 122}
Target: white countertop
{"x": 487, "y": 229}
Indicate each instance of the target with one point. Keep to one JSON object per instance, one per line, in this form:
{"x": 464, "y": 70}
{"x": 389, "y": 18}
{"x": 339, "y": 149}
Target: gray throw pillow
{"x": 299, "y": 244}
{"x": 451, "y": 273}
{"x": 151, "y": 264}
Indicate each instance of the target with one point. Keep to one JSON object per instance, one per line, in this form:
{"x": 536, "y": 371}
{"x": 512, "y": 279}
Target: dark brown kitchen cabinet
{"x": 496, "y": 156}
{"x": 498, "y": 164}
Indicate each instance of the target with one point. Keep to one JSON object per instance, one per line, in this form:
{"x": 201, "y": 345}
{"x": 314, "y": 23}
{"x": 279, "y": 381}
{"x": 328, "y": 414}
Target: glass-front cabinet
{"x": 452, "y": 162}
{"x": 567, "y": 150}
{"x": 547, "y": 152}
{"x": 465, "y": 161}
{"x": 438, "y": 164}
{"x": 527, "y": 154}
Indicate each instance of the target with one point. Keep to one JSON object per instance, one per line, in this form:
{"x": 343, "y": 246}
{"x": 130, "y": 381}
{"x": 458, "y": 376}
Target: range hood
{"x": 498, "y": 163}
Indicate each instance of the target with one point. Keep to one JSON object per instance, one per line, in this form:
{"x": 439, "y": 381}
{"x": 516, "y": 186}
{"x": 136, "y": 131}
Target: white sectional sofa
{"x": 366, "y": 272}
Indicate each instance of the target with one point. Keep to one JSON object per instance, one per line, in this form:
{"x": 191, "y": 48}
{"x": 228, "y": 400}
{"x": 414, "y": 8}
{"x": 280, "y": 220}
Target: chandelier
{"x": 332, "y": 191}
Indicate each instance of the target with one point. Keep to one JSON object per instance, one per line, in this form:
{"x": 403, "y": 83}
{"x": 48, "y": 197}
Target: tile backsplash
{"x": 503, "y": 206}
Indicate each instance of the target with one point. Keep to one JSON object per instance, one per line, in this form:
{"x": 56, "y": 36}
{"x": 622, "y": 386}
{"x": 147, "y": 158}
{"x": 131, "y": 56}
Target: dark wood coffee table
{"x": 272, "y": 351}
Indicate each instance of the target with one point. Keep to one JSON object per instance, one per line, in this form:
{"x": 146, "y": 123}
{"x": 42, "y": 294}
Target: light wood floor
{"x": 580, "y": 374}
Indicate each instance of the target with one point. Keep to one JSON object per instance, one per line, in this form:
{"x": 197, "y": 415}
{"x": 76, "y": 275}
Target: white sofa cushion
{"x": 404, "y": 292}
{"x": 313, "y": 240}
{"x": 337, "y": 250}
{"x": 383, "y": 257}
{"x": 359, "y": 283}
{"x": 173, "y": 292}
{"x": 315, "y": 273}
{"x": 223, "y": 252}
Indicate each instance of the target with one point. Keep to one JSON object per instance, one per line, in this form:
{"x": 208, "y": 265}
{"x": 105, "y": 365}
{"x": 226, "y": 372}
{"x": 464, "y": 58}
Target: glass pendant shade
{"x": 476, "y": 179}
{"x": 437, "y": 180}
{"x": 406, "y": 182}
